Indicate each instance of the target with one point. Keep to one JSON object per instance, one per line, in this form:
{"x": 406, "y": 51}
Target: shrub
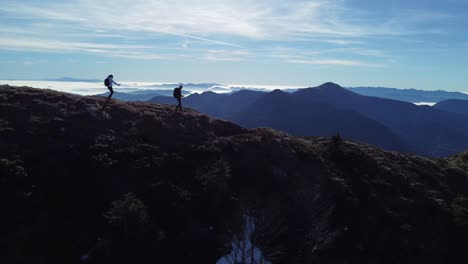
{"x": 337, "y": 140}
{"x": 460, "y": 210}
{"x": 130, "y": 213}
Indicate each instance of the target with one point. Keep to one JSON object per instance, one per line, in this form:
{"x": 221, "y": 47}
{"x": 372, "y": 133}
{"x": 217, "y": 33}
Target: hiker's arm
{"x": 115, "y": 83}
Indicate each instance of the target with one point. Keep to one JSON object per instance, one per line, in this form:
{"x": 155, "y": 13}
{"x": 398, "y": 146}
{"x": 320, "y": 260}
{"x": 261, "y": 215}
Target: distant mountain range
{"x": 406, "y": 95}
{"x": 453, "y": 105}
{"x": 409, "y": 95}
{"x": 435, "y": 132}
{"x": 330, "y": 109}
{"x": 214, "y": 104}
{"x": 141, "y": 95}
{"x": 287, "y": 112}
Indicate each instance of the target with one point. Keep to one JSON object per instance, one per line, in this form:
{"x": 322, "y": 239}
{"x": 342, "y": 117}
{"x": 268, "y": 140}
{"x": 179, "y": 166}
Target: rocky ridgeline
{"x": 91, "y": 180}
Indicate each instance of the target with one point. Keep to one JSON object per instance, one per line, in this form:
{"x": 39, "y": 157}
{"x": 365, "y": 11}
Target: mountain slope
{"x": 281, "y": 110}
{"x": 454, "y": 106}
{"x": 435, "y": 132}
{"x": 409, "y": 95}
{"x": 87, "y": 180}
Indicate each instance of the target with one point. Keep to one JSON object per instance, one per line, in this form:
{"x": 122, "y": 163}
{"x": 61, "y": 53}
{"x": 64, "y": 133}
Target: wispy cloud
{"x": 89, "y": 26}
{"x": 226, "y": 55}
{"x": 33, "y": 62}
{"x": 344, "y": 42}
{"x": 127, "y": 17}
{"x": 185, "y": 44}
{"x": 333, "y": 56}
{"x": 47, "y": 10}
{"x": 197, "y": 38}
{"x": 335, "y": 62}
{"x": 198, "y": 19}
{"x": 53, "y": 46}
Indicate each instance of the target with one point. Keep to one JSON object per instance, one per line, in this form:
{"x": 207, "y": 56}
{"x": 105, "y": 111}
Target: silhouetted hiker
{"x": 178, "y": 95}
{"x": 108, "y": 82}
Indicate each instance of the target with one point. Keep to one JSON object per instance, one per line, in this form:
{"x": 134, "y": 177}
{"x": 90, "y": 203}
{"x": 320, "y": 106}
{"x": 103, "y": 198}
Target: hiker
{"x": 108, "y": 82}
{"x": 178, "y": 95}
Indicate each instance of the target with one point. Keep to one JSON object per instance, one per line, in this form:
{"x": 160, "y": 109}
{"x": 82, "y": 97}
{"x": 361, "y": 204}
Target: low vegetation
{"x": 88, "y": 180}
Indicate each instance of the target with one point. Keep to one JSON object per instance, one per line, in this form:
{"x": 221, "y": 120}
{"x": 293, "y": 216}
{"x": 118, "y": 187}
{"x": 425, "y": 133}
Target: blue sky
{"x": 403, "y": 44}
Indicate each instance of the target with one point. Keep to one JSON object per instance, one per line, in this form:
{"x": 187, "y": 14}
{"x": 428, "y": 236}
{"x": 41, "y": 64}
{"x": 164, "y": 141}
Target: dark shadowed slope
{"x": 455, "y": 106}
{"x": 281, "y": 110}
{"x": 114, "y": 182}
{"x": 435, "y": 132}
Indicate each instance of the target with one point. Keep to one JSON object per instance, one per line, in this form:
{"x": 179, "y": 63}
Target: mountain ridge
{"x": 409, "y": 95}
{"x": 429, "y": 131}
{"x": 92, "y": 180}
{"x": 453, "y": 105}
{"x": 420, "y": 125}
{"x": 284, "y": 111}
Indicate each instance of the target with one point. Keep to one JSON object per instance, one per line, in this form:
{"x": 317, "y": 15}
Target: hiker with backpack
{"x": 178, "y": 95}
{"x": 108, "y": 83}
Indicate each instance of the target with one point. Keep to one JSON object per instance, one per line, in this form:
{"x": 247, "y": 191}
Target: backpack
{"x": 106, "y": 82}
{"x": 176, "y": 92}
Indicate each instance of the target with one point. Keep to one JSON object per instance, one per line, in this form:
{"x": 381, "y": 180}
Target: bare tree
{"x": 243, "y": 250}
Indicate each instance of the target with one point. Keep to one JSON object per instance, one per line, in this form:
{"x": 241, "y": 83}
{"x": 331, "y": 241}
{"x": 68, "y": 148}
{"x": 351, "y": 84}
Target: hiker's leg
{"x": 111, "y": 91}
{"x": 179, "y": 104}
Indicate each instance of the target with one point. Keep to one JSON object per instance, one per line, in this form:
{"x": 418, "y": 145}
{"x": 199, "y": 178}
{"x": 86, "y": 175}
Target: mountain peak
{"x": 277, "y": 91}
{"x": 276, "y": 94}
{"x": 274, "y": 97}
{"x": 210, "y": 93}
{"x": 328, "y": 89}
{"x": 330, "y": 85}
